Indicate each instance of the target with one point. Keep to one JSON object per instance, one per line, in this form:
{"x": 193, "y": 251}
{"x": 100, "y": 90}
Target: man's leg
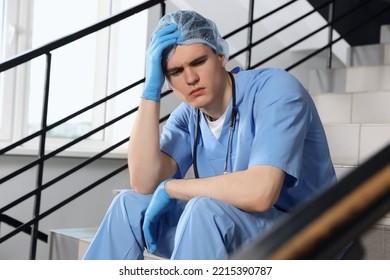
{"x": 212, "y": 229}
{"x": 120, "y": 233}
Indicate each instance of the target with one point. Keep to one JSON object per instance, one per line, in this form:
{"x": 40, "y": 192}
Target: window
{"x": 81, "y": 72}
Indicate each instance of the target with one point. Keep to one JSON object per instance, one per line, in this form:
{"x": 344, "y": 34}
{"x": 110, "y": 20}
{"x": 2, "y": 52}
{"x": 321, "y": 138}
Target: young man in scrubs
{"x": 254, "y": 139}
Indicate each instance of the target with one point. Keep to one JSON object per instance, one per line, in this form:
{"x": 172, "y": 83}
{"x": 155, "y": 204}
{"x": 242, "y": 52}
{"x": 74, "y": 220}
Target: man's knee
{"x": 128, "y": 199}
{"x": 204, "y": 210}
{"x": 202, "y": 230}
{"x": 202, "y": 204}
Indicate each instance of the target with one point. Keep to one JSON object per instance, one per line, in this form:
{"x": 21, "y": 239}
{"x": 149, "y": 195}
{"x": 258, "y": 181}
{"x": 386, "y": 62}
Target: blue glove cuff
{"x": 150, "y": 95}
{"x": 162, "y": 186}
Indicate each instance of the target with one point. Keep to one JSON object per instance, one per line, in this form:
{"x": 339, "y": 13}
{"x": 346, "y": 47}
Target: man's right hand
{"x": 154, "y": 74}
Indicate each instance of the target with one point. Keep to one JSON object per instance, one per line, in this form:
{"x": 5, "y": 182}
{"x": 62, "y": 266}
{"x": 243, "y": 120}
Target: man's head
{"x": 193, "y": 29}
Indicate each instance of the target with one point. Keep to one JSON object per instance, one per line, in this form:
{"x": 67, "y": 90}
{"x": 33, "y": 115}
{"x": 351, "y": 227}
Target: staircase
{"x": 353, "y": 103}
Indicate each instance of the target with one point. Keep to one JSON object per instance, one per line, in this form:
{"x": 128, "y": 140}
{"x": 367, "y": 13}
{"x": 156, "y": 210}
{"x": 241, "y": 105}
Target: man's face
{"x": 196, "y": 75}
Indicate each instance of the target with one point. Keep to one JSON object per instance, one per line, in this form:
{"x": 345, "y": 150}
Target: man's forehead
{"x": 183, "y": 54}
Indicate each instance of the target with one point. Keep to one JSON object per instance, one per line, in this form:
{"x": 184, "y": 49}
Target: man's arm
{"x": 148, "y": 166}
{"x": 254, "y": 190}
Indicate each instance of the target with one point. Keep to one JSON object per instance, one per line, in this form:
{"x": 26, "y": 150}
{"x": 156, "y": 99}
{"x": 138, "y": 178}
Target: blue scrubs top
{"x": 277, "y": 124}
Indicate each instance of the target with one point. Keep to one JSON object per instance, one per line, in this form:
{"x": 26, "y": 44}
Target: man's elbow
{"x": 140, "y": 186}
{"x": 260, "y": 204}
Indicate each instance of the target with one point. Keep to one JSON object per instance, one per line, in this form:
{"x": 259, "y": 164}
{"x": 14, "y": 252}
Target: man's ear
{"x": 223, "y": 59}
{"x": 167, "y": 84}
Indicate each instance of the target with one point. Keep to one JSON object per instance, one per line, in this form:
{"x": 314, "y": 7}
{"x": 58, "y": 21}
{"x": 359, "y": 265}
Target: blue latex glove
{"x": 160, "y": 204}
{"x": 154, "y": 75}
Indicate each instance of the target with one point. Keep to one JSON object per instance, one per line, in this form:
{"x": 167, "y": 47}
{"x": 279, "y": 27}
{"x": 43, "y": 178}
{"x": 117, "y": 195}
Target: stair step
{"x": 327, "y": 80}
{"x": 352, "y": 144}
{"x": 351, "y": 79}
{"x": 356, "y": 107}
{"x": 342, "y": 171}
{"x": 372, "y": 139}
{"x": 343, "y": 141}
{"x": 378, "y": 54}
{"x": 334, "y": 107}
{"x": 368, "y": 78}
{"x": 371, "y": 107}
{"x": 385, "y": 34}
{"x": 72, "y": 243}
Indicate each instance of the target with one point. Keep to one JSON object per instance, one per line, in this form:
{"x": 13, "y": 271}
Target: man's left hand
{"x": 160, "y": 204}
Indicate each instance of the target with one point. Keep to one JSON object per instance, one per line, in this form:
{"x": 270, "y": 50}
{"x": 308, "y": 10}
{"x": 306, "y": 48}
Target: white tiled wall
{"x": 358, "y": 107}
{"x": 334, "y": 107}
{"x": 371, "y": 107}
{"x": 372, "y": 139}
{"x": 343, "y": 140}
{"x": 327, "y": 80}
{"x": 368, "y": 78}
{"x": 352, "y": 144}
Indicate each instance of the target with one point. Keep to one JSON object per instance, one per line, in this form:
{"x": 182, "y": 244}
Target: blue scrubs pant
{"x": 202, "y": 228}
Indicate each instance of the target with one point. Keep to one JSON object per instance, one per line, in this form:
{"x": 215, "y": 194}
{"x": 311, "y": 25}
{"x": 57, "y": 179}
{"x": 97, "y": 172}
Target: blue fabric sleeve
{"x": 281, "y": 115}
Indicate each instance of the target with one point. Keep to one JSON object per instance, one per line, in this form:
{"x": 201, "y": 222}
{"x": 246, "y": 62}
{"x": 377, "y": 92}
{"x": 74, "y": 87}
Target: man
{"x": 254, "y": 139}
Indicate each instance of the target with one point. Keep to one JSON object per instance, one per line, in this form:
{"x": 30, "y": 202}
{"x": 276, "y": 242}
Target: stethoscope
{"x": 231, "y": 130}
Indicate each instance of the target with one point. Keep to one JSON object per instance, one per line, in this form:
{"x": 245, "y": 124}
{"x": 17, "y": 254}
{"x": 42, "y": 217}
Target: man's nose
{"x": 191, "y": 76}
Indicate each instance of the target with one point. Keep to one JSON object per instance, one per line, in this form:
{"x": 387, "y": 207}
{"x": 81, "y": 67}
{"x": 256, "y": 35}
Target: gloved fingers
{"x": 150, "y": 232}
{"x": 169, "y": 29}
{"x": 154, "y": 74}
{"x": 160, "y": 43}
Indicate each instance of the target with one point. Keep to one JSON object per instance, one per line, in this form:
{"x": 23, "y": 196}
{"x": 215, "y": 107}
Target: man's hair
{"x": 193, "y": 29}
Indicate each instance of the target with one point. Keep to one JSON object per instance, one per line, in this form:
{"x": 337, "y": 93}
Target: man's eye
{"x": 198, "y": 62}
{"x": 175, "y": 73}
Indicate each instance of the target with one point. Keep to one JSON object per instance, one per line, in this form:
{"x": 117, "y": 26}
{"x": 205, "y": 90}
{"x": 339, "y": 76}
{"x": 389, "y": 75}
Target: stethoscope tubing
{"x": 231, "y": 131}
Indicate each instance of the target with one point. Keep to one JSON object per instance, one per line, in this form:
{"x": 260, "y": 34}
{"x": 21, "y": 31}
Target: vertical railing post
{"x": 250, "y": 33}
{"x": 163, "y": 8}
{"x": 330, "y": 33}
{"x": 42, "y": 145}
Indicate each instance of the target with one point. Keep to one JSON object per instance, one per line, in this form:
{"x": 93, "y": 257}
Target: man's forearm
{"x": 254, "y": 190}
{"x": 144, "y": 156}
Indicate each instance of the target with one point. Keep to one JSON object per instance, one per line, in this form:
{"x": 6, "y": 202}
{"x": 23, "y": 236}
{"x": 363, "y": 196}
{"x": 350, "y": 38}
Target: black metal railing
{"x": 32, "y": 226}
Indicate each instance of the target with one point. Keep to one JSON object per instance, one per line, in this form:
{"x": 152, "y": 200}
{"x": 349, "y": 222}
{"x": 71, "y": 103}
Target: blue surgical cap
{"x": 193, "y": 29}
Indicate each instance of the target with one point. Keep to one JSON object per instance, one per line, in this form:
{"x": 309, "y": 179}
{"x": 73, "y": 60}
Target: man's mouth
{"x": 197, "y": 91}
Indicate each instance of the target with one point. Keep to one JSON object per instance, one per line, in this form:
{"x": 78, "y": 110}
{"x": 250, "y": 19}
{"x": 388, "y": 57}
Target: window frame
{"x": 15, "y": 98}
